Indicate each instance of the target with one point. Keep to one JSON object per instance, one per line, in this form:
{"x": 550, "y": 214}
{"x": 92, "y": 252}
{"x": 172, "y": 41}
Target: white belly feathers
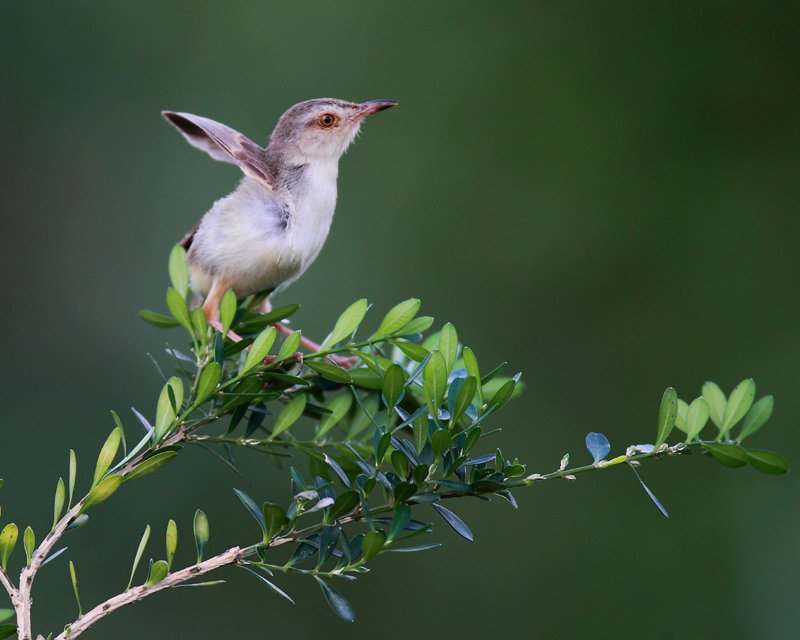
{"x": 257, "y": 241}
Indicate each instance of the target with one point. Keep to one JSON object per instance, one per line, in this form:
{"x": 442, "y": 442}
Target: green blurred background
{"x": 603, "y": 194}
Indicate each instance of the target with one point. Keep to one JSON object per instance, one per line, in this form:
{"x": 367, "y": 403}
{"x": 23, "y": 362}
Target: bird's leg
{"x": 211, "y": 308}
{"x": 344, "y": 362}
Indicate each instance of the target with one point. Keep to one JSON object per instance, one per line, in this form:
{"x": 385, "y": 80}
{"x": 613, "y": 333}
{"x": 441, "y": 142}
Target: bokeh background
{"x": 603, "y": 194}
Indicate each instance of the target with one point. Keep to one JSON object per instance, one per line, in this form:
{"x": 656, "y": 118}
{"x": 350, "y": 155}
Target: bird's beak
{"x": 373, "y": 106}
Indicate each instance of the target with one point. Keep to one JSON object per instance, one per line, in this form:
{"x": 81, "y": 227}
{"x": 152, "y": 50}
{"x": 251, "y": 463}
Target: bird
{"x": 268, "y": 231}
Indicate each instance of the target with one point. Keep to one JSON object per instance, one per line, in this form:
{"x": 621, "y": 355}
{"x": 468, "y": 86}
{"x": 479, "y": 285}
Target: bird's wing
{"x": 222, "y": 143}
{"x": 186, "y": 241}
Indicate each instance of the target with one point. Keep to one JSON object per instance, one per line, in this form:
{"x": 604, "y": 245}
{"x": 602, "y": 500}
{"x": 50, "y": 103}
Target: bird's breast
{"x": 313, "y": 203}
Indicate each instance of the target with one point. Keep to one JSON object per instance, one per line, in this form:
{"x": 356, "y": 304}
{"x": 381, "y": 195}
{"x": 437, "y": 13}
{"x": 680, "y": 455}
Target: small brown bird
{"x": 265, "y": 234}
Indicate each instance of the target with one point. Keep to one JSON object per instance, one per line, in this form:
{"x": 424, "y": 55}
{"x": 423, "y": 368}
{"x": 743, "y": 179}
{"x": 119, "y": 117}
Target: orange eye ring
{"x": 327, "y": 120}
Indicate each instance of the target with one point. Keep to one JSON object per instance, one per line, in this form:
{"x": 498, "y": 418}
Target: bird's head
{"x": 320, "y": 129}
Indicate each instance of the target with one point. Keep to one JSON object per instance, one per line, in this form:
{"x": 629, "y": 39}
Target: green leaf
{"x": 209, "y": 380}
{"x": 397, "y": 318}
{"x": 393, "y": 381}
{"x": 157, "y": 320}
{"x": 767, "y": 462}
{"x": 650, "y": 494}
{"x": 418, "y": 325}
{"x": 454, "y": 521}
{"x": 739, "y": 403}
{"x": 172, "y": 541}
{"x": 329, "y": 371}
{"x": 344, "y": 504}
{"x": 381, "y": 446}
{"x": 471, "y": 365}
{"x": 435, "y": 381}
{"x": 200, "y": 324}
{"x": 372, "y": 544}
{"x": 598, "y": 446}
{"x": 29, "y": 542}
{"x": 680, "y": 419}
{"x": 491, "y": 375}
{"x": 275, "y": 519}
{"x": 77, "y": 523}
{"x": 227, "y": 310}
{"x": 207, "y": 583}
{"x": 102, "y": 491}
{"x": 243, "y": 393}
{"x": 440, "y": 442}
{"x": 375, "y": 363}
{"x": 667, "y": 414}
{"x": 400, "y": 463}
{"x": 502, "y": 396}
{"x": 280, "y": 592}
{"x": 729, "y": 455}
{"x": 337, "y": 602}
{"x": 289, "y": 415}
{"x": 201, "y": 532}
{"x": 338, "y": 407}
{"x": 420, "y": 430}
{"x": 73, "y": 469}
{"x": 251, "y": 506}
{"x": 448, "y": 345}
{"x": 260, "y": 348}
{"x": 165, "y": 413}
{"x": 118, "y": 422}
{"x": 139, "y": 552}
{"x": 5, "y": 614}
{"x": 411, "y": 349}
{"x": 716, "y": 402}
{"x": 472, "y": 439}
{"x": 177, "y": 307}
{"x": 61, "y": 550}
{"x": 75, "y": 588}
{"x": 7, "y": 630}
{"x": 404, "y": 490}
{"x": 107, "y": 455}
{"x": 464, "y": 398}
{"x": 422, "y": 547}
{"x": 347, "y": 323}
{"x": 758, "y": 415}
{"x": 366, "y": 379}
{"x": 399, "y": 521}
{"x": 58, "y": 503}
{"x": 151, "y": 464}
{"x": 178, "y": 271}
{"x": 696, "y": 417}
{"x": 158, "y": 572}
{"x": 289, "y": 346}
{"x": 8, "y": 539}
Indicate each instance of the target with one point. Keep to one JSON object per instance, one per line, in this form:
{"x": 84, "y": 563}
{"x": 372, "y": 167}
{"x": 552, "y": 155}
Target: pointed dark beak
{"x": 373, "y": 106}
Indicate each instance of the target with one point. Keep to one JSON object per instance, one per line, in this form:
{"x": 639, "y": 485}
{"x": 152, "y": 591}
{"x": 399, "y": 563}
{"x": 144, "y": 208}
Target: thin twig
{"x": 23, "y": 604}
{"x": 13, "y": 593}
{"x": 135, "y": 594}
{"x": 237, "y": 554}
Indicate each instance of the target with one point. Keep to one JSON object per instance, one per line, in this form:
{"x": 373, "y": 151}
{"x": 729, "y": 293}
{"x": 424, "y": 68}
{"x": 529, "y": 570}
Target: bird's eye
{"x": 327, "y": 120}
